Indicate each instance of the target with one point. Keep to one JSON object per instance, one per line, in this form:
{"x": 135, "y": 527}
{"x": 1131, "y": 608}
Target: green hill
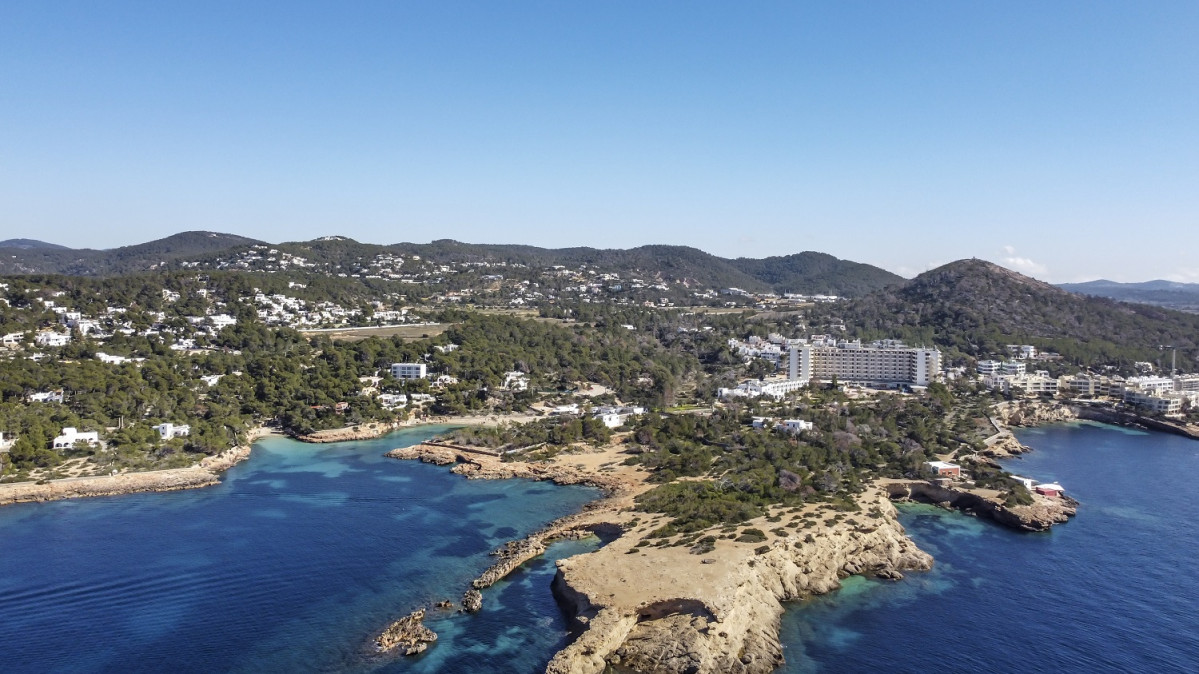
{"x": 976, "y": 307}
{"x": 116, "y": 261}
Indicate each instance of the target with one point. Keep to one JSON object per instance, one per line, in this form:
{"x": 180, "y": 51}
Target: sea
{"x": 305, "y": 552}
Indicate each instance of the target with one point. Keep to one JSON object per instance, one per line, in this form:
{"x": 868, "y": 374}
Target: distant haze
{"x": 1056, "y": 139}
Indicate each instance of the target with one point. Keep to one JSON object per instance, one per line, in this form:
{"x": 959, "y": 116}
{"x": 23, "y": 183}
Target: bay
{"x": 293, "y": 563}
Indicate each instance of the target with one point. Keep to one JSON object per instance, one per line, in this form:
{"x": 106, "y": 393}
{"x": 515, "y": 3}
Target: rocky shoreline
{"x": 203, "y": 474}
{"x": 349, "y": 433}
{"x": 1040, "y": 516}
{"x": 670, "y": 609}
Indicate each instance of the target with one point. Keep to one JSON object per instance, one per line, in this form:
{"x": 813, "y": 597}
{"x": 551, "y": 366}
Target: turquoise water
{"x": 1114, "y": 590}
{"x": 306, "y": 551}
{"x": 292, "y": 564}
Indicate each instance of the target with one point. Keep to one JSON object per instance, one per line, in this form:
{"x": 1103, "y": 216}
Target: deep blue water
{"x": 306, "y": 551}
{"x": 292, "y": 564}
{"x": 1115, "y": 589}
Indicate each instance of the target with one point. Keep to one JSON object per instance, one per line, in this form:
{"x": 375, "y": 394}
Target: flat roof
{"x": 943, "y": 464}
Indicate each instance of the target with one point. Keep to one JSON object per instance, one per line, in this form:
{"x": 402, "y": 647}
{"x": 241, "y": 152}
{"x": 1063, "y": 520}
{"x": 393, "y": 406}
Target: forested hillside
{"x": 975, "y": 307}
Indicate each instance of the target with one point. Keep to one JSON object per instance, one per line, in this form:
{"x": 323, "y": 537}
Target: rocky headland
{"x": 678, "y": 608}
{"x": 1042, "y": 514}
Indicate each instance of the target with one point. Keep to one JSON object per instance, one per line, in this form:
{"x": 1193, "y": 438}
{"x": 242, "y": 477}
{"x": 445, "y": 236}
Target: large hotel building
{"x": 886, "y": 363}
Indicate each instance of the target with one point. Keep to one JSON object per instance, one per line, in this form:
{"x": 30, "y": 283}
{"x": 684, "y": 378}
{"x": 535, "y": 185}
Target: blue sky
{"x": 1060, "y": 139}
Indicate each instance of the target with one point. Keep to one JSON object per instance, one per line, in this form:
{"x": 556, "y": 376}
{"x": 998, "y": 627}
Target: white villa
{"x": 71, "y": 435}
{"x": 169, "y": 430}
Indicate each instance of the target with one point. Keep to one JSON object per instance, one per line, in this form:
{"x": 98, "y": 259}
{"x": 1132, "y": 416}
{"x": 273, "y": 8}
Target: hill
{"x": 806, "y": 273}
{"x": 30, "y": 244}
{"x": 817, "y": 273}
{"x": 975, "y": 307}
{"x": 1181, "y": 296}
{"x": 49, "y": 259}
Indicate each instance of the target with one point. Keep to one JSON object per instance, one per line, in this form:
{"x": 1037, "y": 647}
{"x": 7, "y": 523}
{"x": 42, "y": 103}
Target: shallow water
{"x": 293, "y": 563}
{"x": 1115, "y": 589}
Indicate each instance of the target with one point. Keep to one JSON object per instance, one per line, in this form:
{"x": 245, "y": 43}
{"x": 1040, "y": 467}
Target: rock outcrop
{"x": 1034, "y": 413}
{"x": 1040, "y": 516}
{"x": 678, "y": 614}
{"x": 360, "y": 432}
{"x": 472, "y": 601}
{"x": 408, "y": 635}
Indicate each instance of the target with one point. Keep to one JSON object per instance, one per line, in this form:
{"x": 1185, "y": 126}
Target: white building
{"x": 6, "y": 441}
{"x": 1038, "y": 383}
{"x": 46, "y": 397}
{"x": 391, "y": 401}
{"x": 795, "y": 426}
{"x": 1151, "y": 385}
{"x": 445, "y": 380}
{"x": 49, "y": 338}
{"x": 71, "y": 435}
{"x": 115, "y": 360}
{"x": 1024, "y": 351}
{"x": 211, "y": 379}
{"x": 756, "y": 387}
{"x": 887, "y": 363}
{"x": 1168, "y": 404}
{"x": 516, "y": 381}
{"x": 222, "y": 321}
{"x": 168, "y": 430}
{"x": 408, "y": 370}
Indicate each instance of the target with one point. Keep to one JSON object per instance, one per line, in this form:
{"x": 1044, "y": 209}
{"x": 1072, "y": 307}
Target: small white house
{"x": 565, "y": 409}
{"x": 612, "y": 420}
{"x": 46, "y": 397}
{"x": 6, "y": 441}
{"x": 944, "y": 468}
{"x": 71, "y": 435}
{"x": 211, "y": 379}
{"x": 795, "y": 425}
{"x": 168, "y": 430}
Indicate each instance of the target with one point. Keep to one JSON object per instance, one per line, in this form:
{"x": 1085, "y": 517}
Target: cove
{"x": 292, "y": 563}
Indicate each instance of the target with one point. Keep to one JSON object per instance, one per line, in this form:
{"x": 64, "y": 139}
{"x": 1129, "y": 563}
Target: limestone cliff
{"x": 666, "y": 610}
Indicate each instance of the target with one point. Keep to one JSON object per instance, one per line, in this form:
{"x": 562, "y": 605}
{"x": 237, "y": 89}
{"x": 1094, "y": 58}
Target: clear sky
{"x": 1058, "y": 138}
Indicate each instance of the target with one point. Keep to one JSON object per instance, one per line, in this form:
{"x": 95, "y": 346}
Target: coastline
{"x": 676, "y": 608}
{"x": 202, "y": 474}
{"x": 207, "y": 471}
